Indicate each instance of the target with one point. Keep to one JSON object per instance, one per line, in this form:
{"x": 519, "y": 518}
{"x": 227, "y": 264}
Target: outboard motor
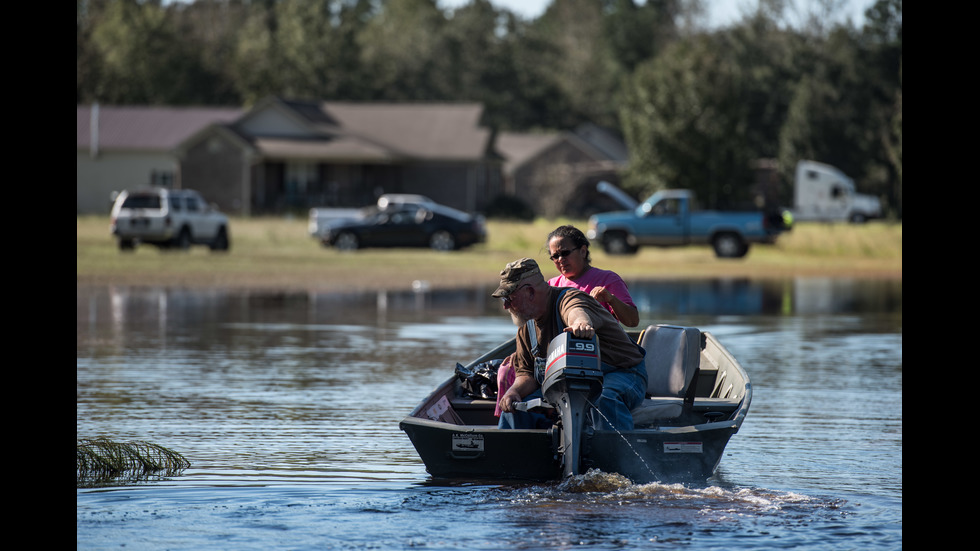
{"x": 572, "y": 381}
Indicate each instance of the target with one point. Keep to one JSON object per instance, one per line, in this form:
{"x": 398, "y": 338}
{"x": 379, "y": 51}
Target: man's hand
{"x": 580, "y": 324}
{"x": 581, "y": 330}
{"x": 523, "y": 385}
{"x": 507, "y": 402}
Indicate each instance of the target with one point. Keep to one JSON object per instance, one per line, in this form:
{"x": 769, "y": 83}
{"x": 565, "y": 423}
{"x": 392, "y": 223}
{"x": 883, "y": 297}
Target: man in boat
{"x": 527, "y": 296}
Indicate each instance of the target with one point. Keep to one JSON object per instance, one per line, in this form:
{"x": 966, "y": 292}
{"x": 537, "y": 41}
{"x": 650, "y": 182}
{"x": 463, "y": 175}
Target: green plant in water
{"x": 99, "y": 461}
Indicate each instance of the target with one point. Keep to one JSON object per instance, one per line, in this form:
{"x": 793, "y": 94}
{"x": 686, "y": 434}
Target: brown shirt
{"x": 615, "y": 346}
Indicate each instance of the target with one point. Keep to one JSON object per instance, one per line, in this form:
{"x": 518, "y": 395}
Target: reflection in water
{"x": 801, "y": 296}
{"x": 655, "y": 299}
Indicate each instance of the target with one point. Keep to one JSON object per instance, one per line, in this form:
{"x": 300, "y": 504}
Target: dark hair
{"x": 578, "y": 239}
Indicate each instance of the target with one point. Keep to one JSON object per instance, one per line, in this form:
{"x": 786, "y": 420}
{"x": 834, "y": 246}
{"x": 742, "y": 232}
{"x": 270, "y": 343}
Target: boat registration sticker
{"x": 683, "y": 447}
{"x": 463, "y": 442}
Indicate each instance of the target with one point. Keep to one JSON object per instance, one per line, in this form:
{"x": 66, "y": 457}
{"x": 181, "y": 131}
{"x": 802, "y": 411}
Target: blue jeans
{"x": 525, "y": 419}
{"x": 622, "y": 390}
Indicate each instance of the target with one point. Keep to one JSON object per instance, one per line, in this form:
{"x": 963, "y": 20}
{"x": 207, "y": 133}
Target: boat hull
{"x": 483, "y": 452}
{"x": 646, "y": 455}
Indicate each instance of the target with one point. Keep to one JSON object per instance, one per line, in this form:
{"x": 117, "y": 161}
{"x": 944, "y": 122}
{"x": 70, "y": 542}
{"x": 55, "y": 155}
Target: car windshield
{"x": 142, "y": 202}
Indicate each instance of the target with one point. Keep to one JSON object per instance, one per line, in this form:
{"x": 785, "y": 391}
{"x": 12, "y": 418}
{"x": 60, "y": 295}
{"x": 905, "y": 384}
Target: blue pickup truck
{"x": 671, "y": 218}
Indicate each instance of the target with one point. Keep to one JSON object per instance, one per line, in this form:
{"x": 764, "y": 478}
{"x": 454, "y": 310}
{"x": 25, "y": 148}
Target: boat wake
{"x": 597, "y": 486}
{"x": 594, "y": 481}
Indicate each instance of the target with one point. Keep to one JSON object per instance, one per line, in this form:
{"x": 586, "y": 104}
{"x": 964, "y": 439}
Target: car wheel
{"x": 617, "y": 243}
{"x": 127, "y": 244}
{"x": 221, "y": 241}
{"x": 729, "y": 245}
{"x": 442, "y": 240}
{"x": 346, "y": 242}
{"x": 183, "y": 239}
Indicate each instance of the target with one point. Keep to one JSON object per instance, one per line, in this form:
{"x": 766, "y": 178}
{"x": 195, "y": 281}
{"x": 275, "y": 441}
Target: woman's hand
{"x": 601, "y": 294}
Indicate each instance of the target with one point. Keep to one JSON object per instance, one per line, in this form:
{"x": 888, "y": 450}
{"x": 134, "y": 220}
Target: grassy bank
{"x": 278, "y": 253}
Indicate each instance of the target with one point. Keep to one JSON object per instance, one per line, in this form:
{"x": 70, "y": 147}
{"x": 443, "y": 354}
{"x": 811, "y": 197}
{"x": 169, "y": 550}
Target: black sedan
{"x": 436, "y": 226}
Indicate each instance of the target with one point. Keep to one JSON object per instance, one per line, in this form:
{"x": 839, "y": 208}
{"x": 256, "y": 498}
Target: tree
{"x": 636, "y": 33}
{"x": 846, "y": 109}
{"x": 318, "y": 49}
{"x": 580, "y": 61}
{"x": 139, "y": 58}
{"x": 685, "y": 120}
{"x": 254, "y": 66}
{"x": 401, "y": 47}
{"x": 883, "y": 35}
{"x": 531, "y": 93}
{"x": 87, "y": 61}
{"x": 209, "y": 28}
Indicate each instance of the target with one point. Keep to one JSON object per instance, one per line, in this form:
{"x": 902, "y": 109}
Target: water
{"x": 287, "y": 406}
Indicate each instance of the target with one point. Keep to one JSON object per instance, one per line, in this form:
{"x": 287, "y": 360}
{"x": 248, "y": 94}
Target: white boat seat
{"x": 672, "y": 362}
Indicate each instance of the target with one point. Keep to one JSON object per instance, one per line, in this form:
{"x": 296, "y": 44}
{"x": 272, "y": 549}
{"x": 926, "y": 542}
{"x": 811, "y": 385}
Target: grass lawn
{"x": 278, "y": 253}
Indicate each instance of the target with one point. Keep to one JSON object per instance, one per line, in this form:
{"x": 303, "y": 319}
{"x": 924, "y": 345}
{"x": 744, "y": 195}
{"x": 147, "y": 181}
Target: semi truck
{"x": 823, "y": 193}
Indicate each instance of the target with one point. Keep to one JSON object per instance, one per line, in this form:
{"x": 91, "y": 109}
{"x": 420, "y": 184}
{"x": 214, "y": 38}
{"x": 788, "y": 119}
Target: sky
{"x": 720, "y": 12}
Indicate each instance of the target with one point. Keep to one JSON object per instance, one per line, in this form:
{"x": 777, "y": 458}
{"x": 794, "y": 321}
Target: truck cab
{"x": 665, "y": 215}
{"x": 824, "y": 193}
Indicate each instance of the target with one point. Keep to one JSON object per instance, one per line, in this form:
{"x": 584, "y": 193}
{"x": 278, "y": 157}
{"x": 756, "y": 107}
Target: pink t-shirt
{"x": 594, "y": 277}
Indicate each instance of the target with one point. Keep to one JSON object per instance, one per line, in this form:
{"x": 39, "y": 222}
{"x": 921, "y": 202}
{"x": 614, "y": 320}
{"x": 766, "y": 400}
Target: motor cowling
{"x": 572, "y": 384}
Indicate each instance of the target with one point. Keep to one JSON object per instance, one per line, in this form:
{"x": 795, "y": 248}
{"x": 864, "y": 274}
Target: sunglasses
{"x": 563, "y": 254}
{"x": 507, "y": 299}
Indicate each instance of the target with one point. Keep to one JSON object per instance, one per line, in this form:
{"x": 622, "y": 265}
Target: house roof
{"x": 611, "y": 145}
{"x": 145, "y": 127}
{"x": 520, "y": 148}
{"x": 432, "y": 131}
{"x": 377, "y": 132}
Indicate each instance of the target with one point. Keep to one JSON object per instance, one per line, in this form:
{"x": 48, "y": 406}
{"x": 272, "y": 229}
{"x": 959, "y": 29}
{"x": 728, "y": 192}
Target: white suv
{"x": 168, "y": 218}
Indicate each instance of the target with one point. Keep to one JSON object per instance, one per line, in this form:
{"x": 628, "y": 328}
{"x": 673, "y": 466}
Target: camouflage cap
{"x": 512, "y": 276}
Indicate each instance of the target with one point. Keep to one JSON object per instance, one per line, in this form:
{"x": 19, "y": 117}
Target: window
{"x": 142, "y": 202}
{"x": 162, "y": 178}
{"x": 667, "y": 207}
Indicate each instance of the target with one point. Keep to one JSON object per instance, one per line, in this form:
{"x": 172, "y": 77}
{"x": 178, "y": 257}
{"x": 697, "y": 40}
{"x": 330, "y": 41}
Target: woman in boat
{"x": 568, "y": 248}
